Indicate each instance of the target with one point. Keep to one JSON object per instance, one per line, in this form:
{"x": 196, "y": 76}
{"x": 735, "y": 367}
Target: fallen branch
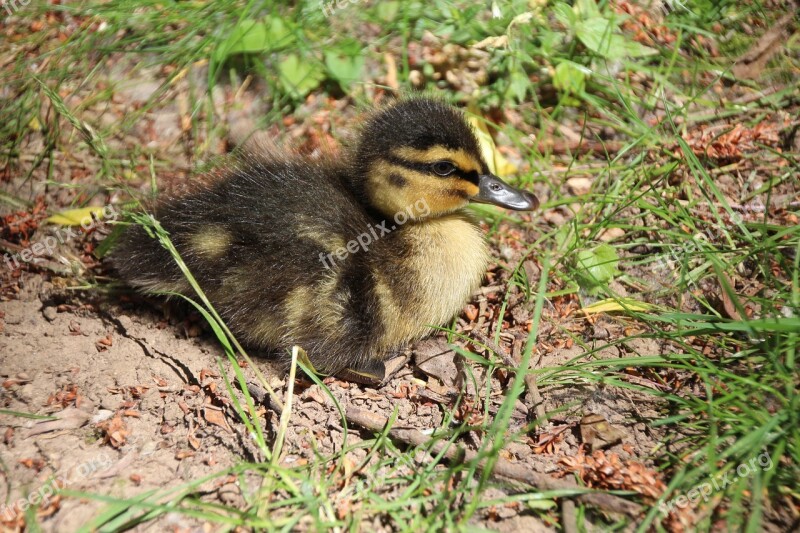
{"x": 502, "y": 468}
{"x": 751, "y": 64}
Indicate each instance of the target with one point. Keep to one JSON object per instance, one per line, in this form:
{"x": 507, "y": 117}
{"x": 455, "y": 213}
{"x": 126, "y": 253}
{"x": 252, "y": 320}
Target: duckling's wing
{"x": 262, "y": 244}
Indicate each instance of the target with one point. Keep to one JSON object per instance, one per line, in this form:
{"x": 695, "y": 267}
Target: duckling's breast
{"x": 439, "y": 264}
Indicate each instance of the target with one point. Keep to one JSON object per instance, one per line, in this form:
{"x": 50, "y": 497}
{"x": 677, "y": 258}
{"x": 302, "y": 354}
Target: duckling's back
{"x": 260, "y": 241}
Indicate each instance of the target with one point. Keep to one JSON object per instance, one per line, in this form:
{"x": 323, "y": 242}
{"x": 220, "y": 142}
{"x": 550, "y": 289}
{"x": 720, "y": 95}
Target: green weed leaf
{"x": 255, "y": 37}
{"x": 387, "y": 11}
{"x": 344, "y": 67}
{"x": 565, "y": 15}
{"x": 597, "y": 266}
{"x": 570, "y": 78}
{"x": 518, "y": 84}
{"x": 299, "y": 77}
{"x": 599, "y": 35}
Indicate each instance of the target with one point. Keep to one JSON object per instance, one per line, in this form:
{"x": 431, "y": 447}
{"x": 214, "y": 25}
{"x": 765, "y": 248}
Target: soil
{"x": 89, "y": 361}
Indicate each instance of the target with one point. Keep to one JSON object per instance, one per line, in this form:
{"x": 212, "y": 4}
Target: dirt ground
{"x": 139, "y": 404}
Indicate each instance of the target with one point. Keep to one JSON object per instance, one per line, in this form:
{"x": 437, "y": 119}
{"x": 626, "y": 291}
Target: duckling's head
{"x": 420, "y": 156}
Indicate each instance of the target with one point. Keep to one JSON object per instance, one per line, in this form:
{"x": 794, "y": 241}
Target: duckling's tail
{"x": 143, "y": 263}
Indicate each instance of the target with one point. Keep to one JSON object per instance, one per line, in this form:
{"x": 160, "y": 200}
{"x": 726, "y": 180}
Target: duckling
{"x": 351, "y": 258}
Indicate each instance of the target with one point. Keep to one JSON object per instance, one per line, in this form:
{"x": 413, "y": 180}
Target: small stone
{"x": 50, "y": 313}
{"x": 315, "y": 394}
{"x": 112, "y": 402}
{"x": 532, "y": 270}
{"x": 101, "y": 415}
{"x": 579, "y": 186}
{"x": 194, "y": 330}
{"x": 230, "y": 495}
{"x": 611, "y": 234}
{"x": 518, "y": 449}
{"x": 554, "y": 218}
{"x": 598, "y": 433}
{"x": 125, "y": 321}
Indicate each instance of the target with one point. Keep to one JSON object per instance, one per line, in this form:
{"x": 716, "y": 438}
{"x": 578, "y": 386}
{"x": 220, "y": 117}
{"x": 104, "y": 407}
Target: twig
{"x": 569, "y": 519}
{"x": 502, "y": 468}
{"x": 260, "y": 395}
{"x": 700, "y": 117}
{"x": 496, "y": 348}
{"x": 752, "y": 63}
{"x": 535, "y": 397}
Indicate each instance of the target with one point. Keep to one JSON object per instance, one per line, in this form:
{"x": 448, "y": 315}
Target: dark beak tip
{"x": 535, "y": 202}
{"x": 532, "y": 201}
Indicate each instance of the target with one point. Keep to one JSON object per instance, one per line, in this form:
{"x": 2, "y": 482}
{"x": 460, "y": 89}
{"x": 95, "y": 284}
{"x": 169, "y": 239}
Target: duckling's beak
{"x": 495, "y": 191}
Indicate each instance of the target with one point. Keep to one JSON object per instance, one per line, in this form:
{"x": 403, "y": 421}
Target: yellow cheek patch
{"x": 390, "y": 196}
{"x": 471, "y": 189}
{"x": 212, "y": 242}
{"x": 465, "y": 161}
{"x": 450, "y": 195}
{"x": 455, "y": 188}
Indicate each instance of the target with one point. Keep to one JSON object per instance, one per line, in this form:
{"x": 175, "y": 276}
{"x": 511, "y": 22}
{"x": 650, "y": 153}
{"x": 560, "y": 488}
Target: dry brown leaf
{"x": 67, "y": 396}
{"x": 391, "y": 72}
{"x": 596, "y": 432}
{"x": 114, "y": 431}
{"x": 546, "y": 442}
{"x": 33, "y": 464}
{"x": 215, "y": 417}
{"x": 730, "y": 146}
{"x": 69, "y": 418}
{"x": 727, "y": 301}
{"x": 436, "y": 359}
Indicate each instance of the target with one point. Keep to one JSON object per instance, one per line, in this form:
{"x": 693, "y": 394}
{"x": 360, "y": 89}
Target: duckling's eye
{"x": 443, "y": 168}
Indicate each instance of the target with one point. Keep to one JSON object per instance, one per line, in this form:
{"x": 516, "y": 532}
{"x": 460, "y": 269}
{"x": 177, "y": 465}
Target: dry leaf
{"x": 76, "y": 217}
{"x": 611, "y": 305}
{"x": 215, "y": 417}
{"x": 727, "y": 301}
{"x": 69, "y": 418}
{"x": 598, "y": 433}
{"x": 498, "y": 164}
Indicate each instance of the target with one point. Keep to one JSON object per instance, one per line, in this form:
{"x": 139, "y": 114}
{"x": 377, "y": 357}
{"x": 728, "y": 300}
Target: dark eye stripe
{"x": 412, "y": 165}
{"x": 425, "y": 168}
